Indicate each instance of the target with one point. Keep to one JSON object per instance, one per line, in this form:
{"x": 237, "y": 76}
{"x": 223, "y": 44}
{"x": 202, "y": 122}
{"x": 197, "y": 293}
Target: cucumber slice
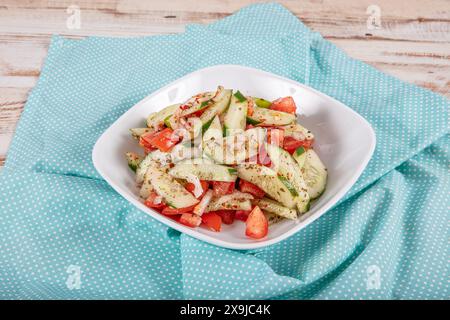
{"x": 275, "y": 208}
{"x": 300, "y": 156}
{"x": 315, "y": 174}
{"x": 267, "y": 179}
{"x": 252, "y": 121}
{"x": 219, "y": 103}
{"x": 199, "y": 102}
{"x": 233, "y": 204}
{"x": 136, "y": 133}
{"x": 210, "y": 172}
{"x": 146, "y": 188}
{"x": 272, "y": 218}
{"x": 133, "y": 160}
{"x": 156, "y": 119}
{"x": 142, "y": 168}
{"x": 235, "y": 118}
{"x": 237, "y": 148}
{"x": 298, "y": 132}
{"x": 272, "y": 117}
{"x": 214, "y": 131}
{"x": 170, "y": 189}
{"x": 262, "y": 103}
{"x": 290, "y": 174}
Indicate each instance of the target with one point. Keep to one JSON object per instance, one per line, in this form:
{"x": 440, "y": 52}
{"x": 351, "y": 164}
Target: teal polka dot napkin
{"x": 65, "y": 234}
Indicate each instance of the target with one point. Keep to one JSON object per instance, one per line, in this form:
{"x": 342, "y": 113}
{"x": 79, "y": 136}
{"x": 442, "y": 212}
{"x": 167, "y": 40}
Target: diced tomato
{"x": 212, "y": 220}
{"x": 221, "y": 188}
{"x": 249, "y": 187}
{"x": 198, "y": 113}
{"x": 250, "y": 109}
{"x": 150, "y": 202}
{"x": 286, "y": 104}
{"x": 290, "y": 144}
{"x": 275, "y": 136}
{"x": 226, "y": 215}
{"x": 242, "y": 215}
{"x": 144, "y": 141}
{"x": 163, "y": 140}
{"x": 191, "y": 187}
{"x": 190, "y": 220}
{"x": 249, "y": 126}
{"x": 171, "y": 211}
{"x": 257, "y": 225}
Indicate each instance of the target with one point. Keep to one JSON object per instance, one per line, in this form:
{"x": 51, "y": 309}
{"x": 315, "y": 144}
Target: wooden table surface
{"x": 412, "y": 44}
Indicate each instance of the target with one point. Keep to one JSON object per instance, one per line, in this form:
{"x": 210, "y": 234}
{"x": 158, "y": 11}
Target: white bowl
{"x": 344, "y": 140}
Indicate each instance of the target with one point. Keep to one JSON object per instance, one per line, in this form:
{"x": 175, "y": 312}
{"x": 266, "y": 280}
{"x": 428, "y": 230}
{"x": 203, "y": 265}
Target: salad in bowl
{"x": 222, "y": 157}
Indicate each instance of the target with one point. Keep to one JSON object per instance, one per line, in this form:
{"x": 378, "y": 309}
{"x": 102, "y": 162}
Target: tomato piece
{"x": 257, "y": 225}
{"x": 249, "y": 126}
{"x": 221, "y": 188}
{"x": 150, "y": 201}
{"x": 226, "y": 215}
{"x": 144, "y": 141}
{"x": 191, "y": 187}
{"x": 212, "y": 220}
{"x": 286, "y": 104}
{"x": 164, "y": 140}
{"x": 275, "y": 136}
{"x": 242, "y": 215}
{"x": 249, "y": 187}
{"x": 250, "y": 109}
{"x": 190, "y": 220}
{"x": 290, "y": 144}
{"x": 169, "y": 211}
{"x": 198, "y": 113}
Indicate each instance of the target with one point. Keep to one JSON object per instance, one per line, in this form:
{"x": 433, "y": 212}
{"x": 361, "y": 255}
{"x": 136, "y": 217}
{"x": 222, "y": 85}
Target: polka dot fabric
{"x": 387, "y": 239}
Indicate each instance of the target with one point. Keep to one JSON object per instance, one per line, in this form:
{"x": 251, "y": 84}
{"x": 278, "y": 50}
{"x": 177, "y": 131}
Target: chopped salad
{"x": 222, "y": 156}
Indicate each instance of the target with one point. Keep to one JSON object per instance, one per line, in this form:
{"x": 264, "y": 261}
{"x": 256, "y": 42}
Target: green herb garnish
{"x": 207, "y": 125}
{"x": 232, "y": 171}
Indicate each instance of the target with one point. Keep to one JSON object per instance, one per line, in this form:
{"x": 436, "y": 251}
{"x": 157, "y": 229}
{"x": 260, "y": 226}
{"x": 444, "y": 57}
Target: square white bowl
{"x": 344, "y": 140}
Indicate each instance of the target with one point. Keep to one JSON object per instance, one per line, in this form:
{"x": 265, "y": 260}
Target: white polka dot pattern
{"x": 388, "y": 238}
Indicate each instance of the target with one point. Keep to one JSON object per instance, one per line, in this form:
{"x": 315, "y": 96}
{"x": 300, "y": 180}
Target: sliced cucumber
{"x": 275, "y": 208}
{"x": 210, "y": 172}
{"x": 219, "y": 103}
{"x": 233, "y": 204}
{"x": 235, "y": 118}
{"x": 136, "y": 133}
{"x": 133, "y": 160}
{"x": 268, "y": 180}
{"x": 300, "y": 156}
{"x": 272, "y": 218}
{"x": 287, "y": 167}
{"x": 298, "y": 132}
{"x": 237, "y": 148}
{"x": 262, "y": 103}
{"x": 270, "y": 117}
{"x": 199, "y": 102}
{"x": 214, "y": 131}
{"x": 252, "y": 121}
{"x": 156, "y": 119}
{"x": 315, "y": 174}
{"x": 171, "y": 190}
{"x": 146, "y": 188}
{"x": 142, "y": 168}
